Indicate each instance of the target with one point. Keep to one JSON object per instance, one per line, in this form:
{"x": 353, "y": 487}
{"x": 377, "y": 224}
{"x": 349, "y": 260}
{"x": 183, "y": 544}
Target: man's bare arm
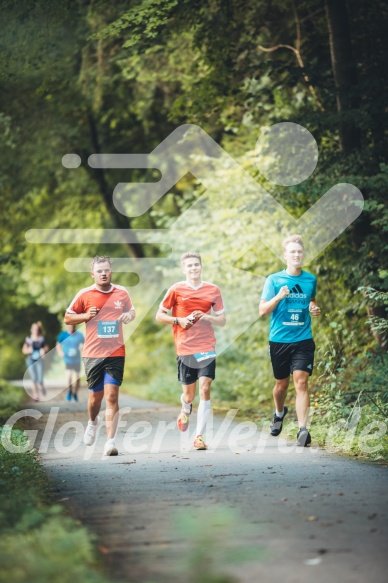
{"x": 215, "y": 319}
{"x": 268, "y": 306}
{"x": 127, "y": 317}
{"x": 75, "y": 319}
{"x": 163, "y": 318}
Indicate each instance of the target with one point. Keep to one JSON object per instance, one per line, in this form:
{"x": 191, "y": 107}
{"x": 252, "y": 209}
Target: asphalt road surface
{"x": 252, "y": 507}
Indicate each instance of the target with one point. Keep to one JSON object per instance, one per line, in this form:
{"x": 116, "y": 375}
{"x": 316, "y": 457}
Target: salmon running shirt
{"x": 183, "y": 299}
{"x": 104, "y": 333}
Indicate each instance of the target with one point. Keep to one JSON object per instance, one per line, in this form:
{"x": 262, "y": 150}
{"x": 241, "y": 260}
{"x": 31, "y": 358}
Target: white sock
{"x": 202, "y": 415}
{"x": 94, "y": 423}
{"x": 186, "y": 406}
{"x": 278, "y": 414}
{"x": 112, "y": 441}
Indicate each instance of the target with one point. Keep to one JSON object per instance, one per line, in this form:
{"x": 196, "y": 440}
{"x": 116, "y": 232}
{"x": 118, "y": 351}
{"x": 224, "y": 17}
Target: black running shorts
{"x": 189, "y": 370}
{"x": 287, "y": 357}
{"x": 103, "y": 371}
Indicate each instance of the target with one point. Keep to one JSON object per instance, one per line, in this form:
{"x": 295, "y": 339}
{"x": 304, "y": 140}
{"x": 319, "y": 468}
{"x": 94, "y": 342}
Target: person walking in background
{"x": 191, "y": 302}
{"x": 105, "y": 307}
{"x": 289, "y": 296}
{"x": 68, "y": 346}
{"x": 35, "y": 348}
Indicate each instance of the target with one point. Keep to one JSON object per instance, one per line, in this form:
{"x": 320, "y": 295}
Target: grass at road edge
{"x": 38, "y": 542}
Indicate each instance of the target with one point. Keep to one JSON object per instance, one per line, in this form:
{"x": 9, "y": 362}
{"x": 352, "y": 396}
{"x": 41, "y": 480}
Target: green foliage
{"x": 10, "y": 399}
{"x": 349, "y": 401}
{"x": 352, "y": 399}
{"x": 142, "y": 22}
{"x": 379, "y": 324}
{"x": 38, "y": 543}
{"x": 215, "y": 539}
{"x": 119, "y": 77}
{"x": 21, "y": 479}
{"x": 56, "y": 550}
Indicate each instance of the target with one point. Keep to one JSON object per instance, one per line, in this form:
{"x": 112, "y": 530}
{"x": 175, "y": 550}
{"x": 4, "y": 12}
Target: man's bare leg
{"x": 76, "y": 383}
{"x": 69, "y": 382}
{"x": 94, "y": 404}
{"x": 111, "y": 393}
{"x": 279, "y": 397}
{"x": 188, "y": 393}
{"x": 302, "y": 396}
{"x": 280, "y": 393}
{"x": 187, "y": 397}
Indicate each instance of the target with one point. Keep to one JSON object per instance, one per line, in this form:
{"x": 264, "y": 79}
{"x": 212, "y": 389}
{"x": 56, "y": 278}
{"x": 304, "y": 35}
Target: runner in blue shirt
{"x": 68, "y": 347}
{"x": 289, "y": 296}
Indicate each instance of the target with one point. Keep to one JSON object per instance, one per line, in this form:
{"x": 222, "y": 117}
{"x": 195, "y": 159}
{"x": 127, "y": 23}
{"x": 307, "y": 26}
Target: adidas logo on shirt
{"x": 297, "y": 292}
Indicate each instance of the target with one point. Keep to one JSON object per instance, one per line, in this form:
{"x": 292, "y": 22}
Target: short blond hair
{"x": 99, "y": 259}
{"x": 189, "y": 254}
{"x": 292, "y": 239}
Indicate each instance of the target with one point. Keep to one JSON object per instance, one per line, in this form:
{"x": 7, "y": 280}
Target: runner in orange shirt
{"x": 191, "y": 302}
{"x": 104, "y": 307}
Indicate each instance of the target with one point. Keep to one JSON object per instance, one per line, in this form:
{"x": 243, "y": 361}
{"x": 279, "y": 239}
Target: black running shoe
{"x": 277, "y": 424}
{"x": 303, "y": 438}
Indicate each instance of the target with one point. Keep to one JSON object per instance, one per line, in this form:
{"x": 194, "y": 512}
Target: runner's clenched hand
{"x": 91, "y": 313}
{"x": 283, "y": 292}
{"x": 127, "y": 317}
{"x": 315, "y": 310}
{"x": 199, "y": 315}
{"x": 185, "y": 323}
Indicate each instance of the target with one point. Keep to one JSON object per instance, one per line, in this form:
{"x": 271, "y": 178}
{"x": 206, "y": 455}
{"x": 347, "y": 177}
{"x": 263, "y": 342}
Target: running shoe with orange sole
{"x": 183, "y": 420}
{"x": 199, "y": 443}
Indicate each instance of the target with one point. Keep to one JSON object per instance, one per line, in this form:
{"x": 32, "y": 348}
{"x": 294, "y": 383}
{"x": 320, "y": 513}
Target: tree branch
{"x": 296, "y": 51}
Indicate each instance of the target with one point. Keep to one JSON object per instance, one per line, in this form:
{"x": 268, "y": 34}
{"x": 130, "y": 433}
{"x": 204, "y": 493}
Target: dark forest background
{"x": 92, "y": 76}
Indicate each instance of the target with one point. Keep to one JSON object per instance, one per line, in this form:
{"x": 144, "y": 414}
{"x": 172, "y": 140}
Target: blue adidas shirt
{"x": 290, "y": 320}
{"x": 71, "y": 346}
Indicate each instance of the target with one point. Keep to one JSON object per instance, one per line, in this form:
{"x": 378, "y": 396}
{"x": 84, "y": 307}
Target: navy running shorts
{"x": 103, "y": 371}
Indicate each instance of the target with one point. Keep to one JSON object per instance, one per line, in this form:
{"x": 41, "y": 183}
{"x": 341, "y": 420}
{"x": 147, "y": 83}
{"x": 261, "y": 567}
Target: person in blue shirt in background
{"x": 289, "y": 296}
{"x": 69, "y": 348}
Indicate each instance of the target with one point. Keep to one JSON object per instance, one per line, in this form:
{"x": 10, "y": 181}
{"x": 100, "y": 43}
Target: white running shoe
{"x": 110, "y": 448}
{"x": 91, "y": 432}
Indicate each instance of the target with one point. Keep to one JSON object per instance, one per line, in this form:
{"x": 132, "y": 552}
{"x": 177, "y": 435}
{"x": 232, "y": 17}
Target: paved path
{"x": 305, "y": 515}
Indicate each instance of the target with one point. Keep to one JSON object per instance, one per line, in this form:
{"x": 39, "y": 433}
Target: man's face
{"x": 192, "y": 268}
{"x": 102, "y": 273}
{"x": 294, "y": 255}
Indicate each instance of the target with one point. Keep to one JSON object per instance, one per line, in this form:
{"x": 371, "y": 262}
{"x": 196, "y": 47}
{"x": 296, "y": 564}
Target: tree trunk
{"x": 119, "y": 220}
{"x": 344, "y": 71}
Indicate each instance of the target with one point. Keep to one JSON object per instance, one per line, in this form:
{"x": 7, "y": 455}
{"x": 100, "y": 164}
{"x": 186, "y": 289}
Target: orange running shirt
{"x": 104, "y": 334}
{"x": 183, "y": 299}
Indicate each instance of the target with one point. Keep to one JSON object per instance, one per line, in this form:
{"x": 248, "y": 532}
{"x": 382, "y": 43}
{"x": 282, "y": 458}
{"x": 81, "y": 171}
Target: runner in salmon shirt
{"x": 191, "y": 302}
{"x": 105, "y": 307}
